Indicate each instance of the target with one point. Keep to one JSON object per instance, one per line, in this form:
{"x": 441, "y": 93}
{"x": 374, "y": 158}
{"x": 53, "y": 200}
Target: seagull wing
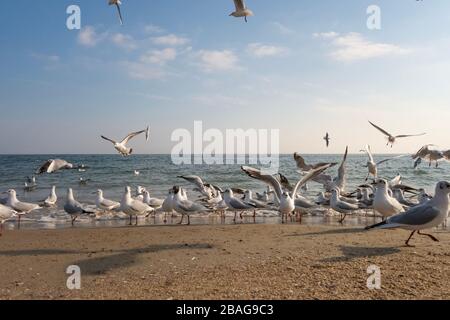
{"x": 389, "y": 159}
{"x": 267, "y": 178}
{"x": 342, "y": 171}
{"x": 195, "y": 180}
{"x": 285, "y": 182}
{"x": 108, "y": 139}
{"x": 301, "y": 164}
{"x": 120, "y": 13}
{"x": 239, "y": 4}
{"x": 131, "y": 136}
{"x": 381, "y": 130}
{"x": 313, "y": 173}
{"x": 410, "y": 135}
{"x": 418, "y": 215}
{"x": 44, "y": 168}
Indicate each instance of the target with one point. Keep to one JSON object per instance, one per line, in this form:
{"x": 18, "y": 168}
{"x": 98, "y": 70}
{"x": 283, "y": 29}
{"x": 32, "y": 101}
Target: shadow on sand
{"x": 350, "y": 253}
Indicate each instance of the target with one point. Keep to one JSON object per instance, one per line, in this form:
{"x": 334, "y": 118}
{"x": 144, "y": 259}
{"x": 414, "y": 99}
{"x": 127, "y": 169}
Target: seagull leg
{"x": 1, "y": 229}
{"x": 343, "y": 218}
{"x": 165, "y": 217}
{"x": 189, "y": 220}
{"x": 407, "y": 241}
{"x": 18, "y": 223}
{"x": 428, "y": 235}
{"x": 131, "y": 219}
{"x": 245, "y": 18}
{"x": 181, "y": 221}
{"x": 235, "y": 214}
{"x": 136, "y": 220}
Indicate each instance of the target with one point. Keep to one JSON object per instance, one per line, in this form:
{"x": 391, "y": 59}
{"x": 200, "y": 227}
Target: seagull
{"x": 340, "y": 181}
{"x": 425, "y": 216}
{"x": 51, "y": 200}
{"x": 73, "y": 207}
{"x": 139, "y": 193}
{"x": 136, "y": 173}
{"x": 423, "y": 196}
{"x": 22, "y": 208}
{"x": 241, "y": 10}
{"x": 133, "y": 207}
{"x": 428, "y": 154}
{"x": 117, "y": 3}
{"x": 83, "y": 181}
{"x": 236, "y": 204}
{"x": 53, "y": 165}
{"x": 6, "y": 213}
{"x": 337, "y": 204}
{"x": 400, "y": 196}
{"x": 185, "y": 206}
{"x": 391, "y": 138}
{"x": 249, "y": 200}
{"x": 286, "y": 199}
{"x": 168, "y": 205}
{"x": 327, "y": 139}
{"x": 152, "y": 202}
{"x": 105, "y": 204}
{"x": 372, "y": 165}
{"x": 383, "y": 203}
{"x": 121, "y": 147}
{"x": 304, "y": 167}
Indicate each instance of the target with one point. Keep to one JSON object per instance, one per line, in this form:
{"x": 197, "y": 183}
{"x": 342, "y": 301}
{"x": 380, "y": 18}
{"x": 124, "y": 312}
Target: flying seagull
{"x": 53, "y": 165}
{"x": 117, "y": 3}
{"x": 121, "y": 147}
{"x": 372, "y": 166}
{"x": 327, "y": 139}
{"x": 391, "y": 138}
{"x": 304, "y": 167}
{"x": 241, "y": 10}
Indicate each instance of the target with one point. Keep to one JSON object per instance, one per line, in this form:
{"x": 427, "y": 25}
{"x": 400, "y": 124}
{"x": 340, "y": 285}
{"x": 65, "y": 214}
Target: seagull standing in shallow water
{"x": 426, "y": 216}
{"x": 73, "y": 207}
{"x": 22, "y": 208}
{"x": 241, "y": 10}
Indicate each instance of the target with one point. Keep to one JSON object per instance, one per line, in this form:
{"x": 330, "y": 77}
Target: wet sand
{"x": 223, "y": 262}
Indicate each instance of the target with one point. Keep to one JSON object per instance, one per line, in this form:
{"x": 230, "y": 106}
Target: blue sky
{"x": 304, "y": 67}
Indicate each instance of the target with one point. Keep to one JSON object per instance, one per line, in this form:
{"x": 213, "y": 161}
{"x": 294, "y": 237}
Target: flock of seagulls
{"x": 241, "y": 10}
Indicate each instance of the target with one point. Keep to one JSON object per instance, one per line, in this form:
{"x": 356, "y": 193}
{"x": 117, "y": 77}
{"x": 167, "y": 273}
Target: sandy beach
{"x": 223, "y": 262}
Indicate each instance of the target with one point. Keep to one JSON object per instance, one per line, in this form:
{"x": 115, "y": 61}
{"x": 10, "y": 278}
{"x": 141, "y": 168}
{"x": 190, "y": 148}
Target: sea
{"x": 158, "y": 173}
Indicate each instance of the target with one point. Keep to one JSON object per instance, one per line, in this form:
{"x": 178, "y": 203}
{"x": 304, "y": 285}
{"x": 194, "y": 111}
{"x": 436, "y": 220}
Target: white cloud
{"x": 218, "y": 60}
{"x": 261, "y": 50}
{"x": 124, "y": 41}
{"x": 282, "y": 28}
{"x": 170, "y": 40}
{"x": 143, "y": 71}
{"x": 152, "y": 29}
{"x": 159, "y": 56}
{"x": 89, "y": 37}
{"x": 354, "y": 47}
{"x": 326, "y": 35}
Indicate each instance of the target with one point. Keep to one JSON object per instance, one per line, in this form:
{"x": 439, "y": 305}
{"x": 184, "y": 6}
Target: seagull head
{"x": 443, "y": 186}
{"x": 381, "y": 183}
{"x": 176, "y": 189}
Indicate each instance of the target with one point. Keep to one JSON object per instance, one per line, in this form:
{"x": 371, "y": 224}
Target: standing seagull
{"x": 391, "y": 138}
{"x": 5, "y": 214}
{"x": 117, "y": 3}
{"x": 121, "y": 147}
{"x": 241, "y": 10}
{"x": 52, "y": 198}
{"x": 337, "y": 204}
{"x": 105, "y": 204}
{"x": 73, "y": 207}
{"x": 22, "y": 208}
{"x": 426, "y": 216}
{"x": 383, "y": 203}
{"x": 236, "y": 204}
{"x": 185, "y": 206}
{"x": 133, "y": 207}
{"x": 327, "y": 139}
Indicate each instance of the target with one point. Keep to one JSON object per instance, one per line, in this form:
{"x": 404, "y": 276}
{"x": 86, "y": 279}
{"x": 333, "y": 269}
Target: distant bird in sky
{"x": 117, "y": 3}
{"x": 327, "y": 139}
{"x": 241, "y": 10}
{"x": 121, "y": 147}
{"x": 391, "y": 138}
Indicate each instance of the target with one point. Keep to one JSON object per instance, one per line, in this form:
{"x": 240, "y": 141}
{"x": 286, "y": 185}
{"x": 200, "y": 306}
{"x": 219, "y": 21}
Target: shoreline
{"x": 241, "y": 261}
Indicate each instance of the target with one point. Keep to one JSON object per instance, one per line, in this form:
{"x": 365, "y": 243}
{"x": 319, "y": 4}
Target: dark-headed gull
{"x": 121, "y": 146}
{"x": 425, "y": 216}
{"x": 184, "y": 206}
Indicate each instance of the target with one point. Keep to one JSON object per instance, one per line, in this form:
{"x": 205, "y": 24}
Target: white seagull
{"x": 337, "y": 204}
{"x": 205, "y": 190}
{"x": 53, "y": 165}
{"x": 51, "y": 200}
{"x": 133, "y": 207}
{"x": 121, "y": 147}
{"x": 383, "y": 202}
{"x": 73, "y": 207}
{"x": 105, "y": 204}
{"x": 185, "y": 206}
{"x": 372, "y": 166}
{"x": 426, "y": 216}
{"x": 6, "y": 213}
{"x": 241, "y": 10}
{"x": 117, "y": 3}
{"x": 391, "y": 138}
{"x": 152, "y": 202}
{"x": 236, "y": 204}
{"x": 22, "y": 208}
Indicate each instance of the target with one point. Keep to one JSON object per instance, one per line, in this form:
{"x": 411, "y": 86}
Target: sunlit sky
{"x": 304, "y": 67}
